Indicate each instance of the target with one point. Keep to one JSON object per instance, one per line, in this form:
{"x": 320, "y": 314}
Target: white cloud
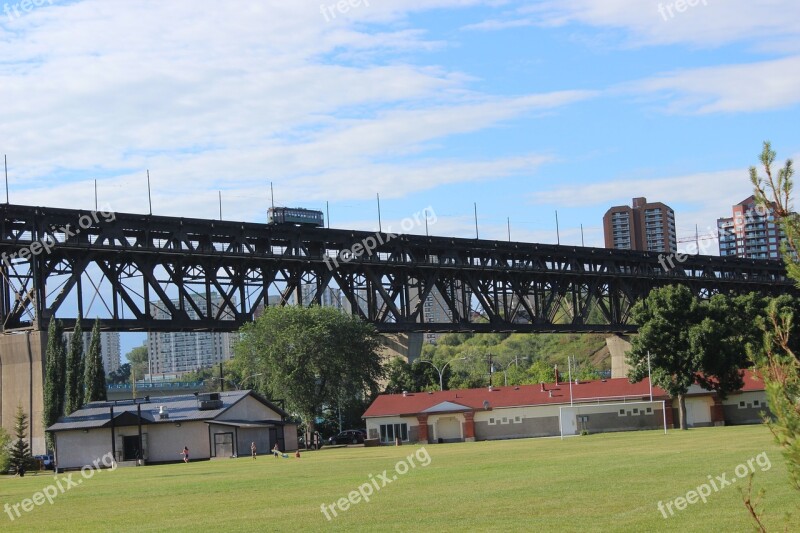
{"x": 731, "y": 88}
{"x": 230, "y": 96}
{"x": 708, "y": 23}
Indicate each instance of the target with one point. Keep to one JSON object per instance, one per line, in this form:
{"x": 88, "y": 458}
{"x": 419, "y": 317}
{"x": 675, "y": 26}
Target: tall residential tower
{"x": 646, "y": 226}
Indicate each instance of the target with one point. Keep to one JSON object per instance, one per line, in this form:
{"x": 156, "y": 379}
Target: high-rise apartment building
{"x": 750, "y": 233}
{"x": 109, "y": 348}
{"x": 646, "y": 226}
{"x": 185, "y": 351}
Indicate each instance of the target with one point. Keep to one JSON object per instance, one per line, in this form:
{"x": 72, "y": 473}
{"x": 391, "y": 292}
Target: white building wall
{"x": 76, "y": 449}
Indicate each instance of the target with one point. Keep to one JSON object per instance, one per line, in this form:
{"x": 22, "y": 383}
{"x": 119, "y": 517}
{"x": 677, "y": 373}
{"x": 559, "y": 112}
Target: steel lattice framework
{"x": 144, "y": 272}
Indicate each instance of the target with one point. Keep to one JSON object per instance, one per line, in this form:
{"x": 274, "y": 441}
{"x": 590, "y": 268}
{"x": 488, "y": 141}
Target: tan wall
{"x": 249, "y": 409}
{"x": 22, "y": 382}
{"x": 290, "y": 437}
{"x": 165, "y": 441}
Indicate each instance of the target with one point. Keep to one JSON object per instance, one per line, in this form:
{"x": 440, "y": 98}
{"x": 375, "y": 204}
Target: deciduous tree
{"x": 310, "y": 356}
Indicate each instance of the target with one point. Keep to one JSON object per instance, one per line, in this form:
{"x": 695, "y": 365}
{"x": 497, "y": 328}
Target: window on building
{"x": 621, "y": 412}
{"x": 756, "y": 403}
{"x": 389, "y": 432}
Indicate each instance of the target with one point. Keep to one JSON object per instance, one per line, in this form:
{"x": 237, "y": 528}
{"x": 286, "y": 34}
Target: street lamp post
{"x": 441, "y": 371}
{"x": 504, "y": 368}
{"x": 251, "y": 376}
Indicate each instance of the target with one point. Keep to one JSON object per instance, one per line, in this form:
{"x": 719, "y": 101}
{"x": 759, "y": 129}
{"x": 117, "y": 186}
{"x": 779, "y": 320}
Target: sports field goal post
{"x": 569, "y": 424}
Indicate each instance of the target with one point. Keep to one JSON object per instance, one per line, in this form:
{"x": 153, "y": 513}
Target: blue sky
{"x": 523, "y": 107}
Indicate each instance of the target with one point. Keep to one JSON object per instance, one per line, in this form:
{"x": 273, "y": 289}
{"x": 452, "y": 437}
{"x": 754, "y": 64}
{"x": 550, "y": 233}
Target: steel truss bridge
{"x": 156, "y": 273}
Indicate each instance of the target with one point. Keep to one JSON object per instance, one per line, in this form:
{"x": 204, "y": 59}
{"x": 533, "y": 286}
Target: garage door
{"x": 448, "y": 429}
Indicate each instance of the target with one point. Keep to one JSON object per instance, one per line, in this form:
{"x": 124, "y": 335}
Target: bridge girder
{"x": 141, "y": 272}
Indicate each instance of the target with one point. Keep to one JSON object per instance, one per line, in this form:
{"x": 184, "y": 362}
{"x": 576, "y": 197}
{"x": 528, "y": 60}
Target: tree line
{"x": 71, "y": 378}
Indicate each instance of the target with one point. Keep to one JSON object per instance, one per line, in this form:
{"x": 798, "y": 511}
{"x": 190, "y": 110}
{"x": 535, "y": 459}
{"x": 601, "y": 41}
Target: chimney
{"x": 405, "y": 393}
{"x": 549, "y": 394}
{"x": 542, "y": 384}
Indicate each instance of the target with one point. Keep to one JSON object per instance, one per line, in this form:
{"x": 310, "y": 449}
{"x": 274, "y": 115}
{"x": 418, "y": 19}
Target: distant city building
{"x": 750, "y": 233}
{"x": 184, "y": 351}
{"x": 330, "y": 297}
{"x": 646, "y": 226}
{"x": 109, "y": 348}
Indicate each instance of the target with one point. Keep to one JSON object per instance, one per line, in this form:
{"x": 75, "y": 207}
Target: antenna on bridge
{"x": 5, "y": 161}
{"x": 379, "y": 212}
{"x": 95, "y": 196}
{"x": 558, "y": 235}
{"x": 149, "y": 198}
{"x": 220, "y": 204}
{"x": 328, "y": 214}
{"x": 475, "y": 205}
{"x": 582, "y": 244}
{"x": 272, "y": 195}
{"x": 508, "y": 223}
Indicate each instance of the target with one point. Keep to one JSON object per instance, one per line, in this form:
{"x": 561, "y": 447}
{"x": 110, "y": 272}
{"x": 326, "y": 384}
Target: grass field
{"x": 610, "y": 482}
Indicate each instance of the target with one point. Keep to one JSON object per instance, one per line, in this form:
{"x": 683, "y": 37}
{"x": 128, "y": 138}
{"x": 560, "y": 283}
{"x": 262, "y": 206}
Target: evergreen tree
{"x": 95, "y": 374}
{"x": 20, "y": 455}
{"x": 75, "y": 371}
{"x": 54, "y": 377}
{"x": 779, "y": 358}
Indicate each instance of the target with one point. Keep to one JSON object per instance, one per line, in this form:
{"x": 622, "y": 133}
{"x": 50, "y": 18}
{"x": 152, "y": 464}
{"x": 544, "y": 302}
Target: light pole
{"x": 504, "y": 368}
{"x": 441, "y": 371}
{"x": 250, "y": 376}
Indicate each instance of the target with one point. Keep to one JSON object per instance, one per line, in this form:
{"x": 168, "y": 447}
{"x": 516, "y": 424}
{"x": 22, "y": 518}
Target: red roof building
{"x": 551, "y": 409}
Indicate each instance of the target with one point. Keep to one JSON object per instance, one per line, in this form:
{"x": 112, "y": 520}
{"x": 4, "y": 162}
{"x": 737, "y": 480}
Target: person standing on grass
{"x": 253, "y": 450}
{"x": 185, "y": 454}
{"x": 276, "y": 451}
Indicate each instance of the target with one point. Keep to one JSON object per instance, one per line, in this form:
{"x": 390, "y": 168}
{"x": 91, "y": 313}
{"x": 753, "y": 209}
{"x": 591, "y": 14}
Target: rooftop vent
{"x": 209, "y": 401}
{"x": 163, "y": 414}
{"x": 405, "y": 393}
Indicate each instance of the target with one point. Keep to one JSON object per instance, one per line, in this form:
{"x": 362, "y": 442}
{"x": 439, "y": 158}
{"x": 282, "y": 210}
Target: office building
{"x": 646, "y": 226}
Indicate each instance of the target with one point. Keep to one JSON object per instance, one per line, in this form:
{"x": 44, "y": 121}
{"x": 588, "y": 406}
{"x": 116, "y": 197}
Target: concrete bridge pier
{"x": 617, "y": 346}
{"x": 405, "y": 345}
{"x": 22, "y": 383}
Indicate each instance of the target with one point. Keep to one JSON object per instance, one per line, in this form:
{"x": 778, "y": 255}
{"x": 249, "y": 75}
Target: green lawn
{"x": 609, "y": 482}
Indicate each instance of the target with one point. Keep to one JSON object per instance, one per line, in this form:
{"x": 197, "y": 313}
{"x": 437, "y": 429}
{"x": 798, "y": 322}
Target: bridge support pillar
{"x": 22, "y": 383}
{"x": 618, "y": 345}
{"x": 405, "y": 345}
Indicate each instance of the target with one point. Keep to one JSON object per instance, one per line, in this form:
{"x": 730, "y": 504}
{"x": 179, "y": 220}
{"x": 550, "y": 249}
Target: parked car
{"x": 46, "y": 461}
{"x": 349, "y": 436}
